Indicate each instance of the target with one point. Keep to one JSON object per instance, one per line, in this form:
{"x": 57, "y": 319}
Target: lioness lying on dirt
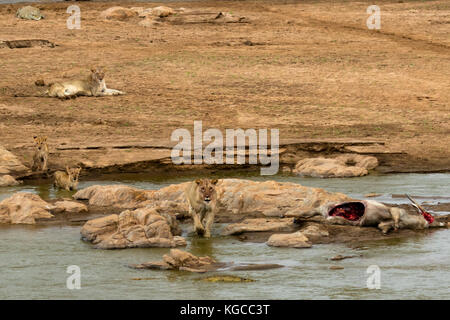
{"x": 40, "y": 157}
{"x": 94, "y": 85}
{"x": 202, "y": 197}
{"x": 67, "y": 180}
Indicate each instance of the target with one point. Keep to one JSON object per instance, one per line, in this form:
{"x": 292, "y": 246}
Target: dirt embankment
{"x": 312, "y": 70}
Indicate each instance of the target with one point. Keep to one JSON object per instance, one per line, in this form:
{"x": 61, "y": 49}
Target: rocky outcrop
{"x": 10, "y": 164}
{"x": 235, "y": 197}
{"x": 118, "y": 13}
{"x": 7, "y": 181}
{"x": 260, "y": 225}
{"x": 314, "y": 231}
{"x": 291, "y": 240}
{"x": 29, "y": 13}
{"x": 144, "y": 227}
{"x": 183, "y": 261}
{"x": 344, "y": 166}
{"x": 119, "y": 196}
{"x": 70, "y": 207}
{"x": 24, "y": 208}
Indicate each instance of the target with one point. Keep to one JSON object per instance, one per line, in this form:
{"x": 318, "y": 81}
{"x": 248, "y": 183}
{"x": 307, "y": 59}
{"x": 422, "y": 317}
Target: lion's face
{"x": 40, "y": 142}
{"x": 206, "y": 189}
{"x": 97, "y": 74}
{"x": 73, "y": 174}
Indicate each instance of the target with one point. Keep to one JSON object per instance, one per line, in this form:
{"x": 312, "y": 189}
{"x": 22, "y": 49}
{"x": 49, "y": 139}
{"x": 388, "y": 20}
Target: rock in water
{"x": 70, "y": 207}
{"x": 24, "y": 208}
{"x": 345, "y": 166}
{"x": 291, "y": 240}
{"x": 7, "y": 181}
{"x": 29, "y": 13}
{"x": 181, "y": 260}
{"x": 144, "y": 227}
{"x": 120, "y": 196}
{"x": 10, "y": 164}
{"x": 236, "y": 197}
{"x": 259, "y": 225}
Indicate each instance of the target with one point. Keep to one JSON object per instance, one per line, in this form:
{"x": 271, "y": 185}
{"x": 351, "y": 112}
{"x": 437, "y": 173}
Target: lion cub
{"x": 202, "y": 197}
{"x": 40, "y": 157}
{"x": 94, "y": 85}
{"x": 67, "y": 180}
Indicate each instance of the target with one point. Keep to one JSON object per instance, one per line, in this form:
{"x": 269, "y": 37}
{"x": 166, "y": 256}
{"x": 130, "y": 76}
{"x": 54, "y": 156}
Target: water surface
{"x": 34, "y": 259}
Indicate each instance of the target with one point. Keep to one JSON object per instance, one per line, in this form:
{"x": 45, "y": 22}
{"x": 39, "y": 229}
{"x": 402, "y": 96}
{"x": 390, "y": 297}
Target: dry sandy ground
{"x": 311, "y": 69}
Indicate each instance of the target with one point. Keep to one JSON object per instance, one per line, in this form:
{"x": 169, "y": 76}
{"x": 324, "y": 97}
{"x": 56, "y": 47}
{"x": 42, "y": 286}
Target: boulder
{"x": 119, "y": 196}
{"x": 291, "y": 240}
{"x": 181, "y": 260}
{"x": 235, "y": 197}
{"x": 70, "y": 207}
{"x": 144, "y": 227}
{"x": 315, "y": 231}
{"x": 24, "y": 208}
{"x": 344, "y": 166}
{"x": 118, "y": 13}
{"x": 10, "y": 164}
{"x": 162, "y": 11}
{"x": 29, "y": 13}
{"x": 260, "y": 225}
{"x": 7, "y": 181}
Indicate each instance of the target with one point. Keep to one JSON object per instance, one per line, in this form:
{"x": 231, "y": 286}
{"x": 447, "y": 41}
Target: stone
{"x": 315, "y": 231}
{"x": 10, "y": 164}
{"x": 24, "y": 208}
{"x": 344, "y": 166}
{"x": 118, "y": 13}
{"x": 236, "y": 197}
{"x": 291, "y": 240}
{"x": 144, "y": 227}
{"x": 120, "y": 196}
{"x": 162, "y": 11}
{"x": 259, "y": 225}
{"x": 29, "y": 13}
{"x": 181, "y": 260}
{"x": 7, "y": 181}
{"x": 70, "y": 207}
{"x": 336, "y": 268}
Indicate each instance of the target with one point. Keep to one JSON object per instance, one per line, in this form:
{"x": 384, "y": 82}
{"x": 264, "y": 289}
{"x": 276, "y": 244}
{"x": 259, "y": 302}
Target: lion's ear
{"x": 214, "y": 181}
{"x": 93, "y": 69}
{"x": 198, "y": 181}
{"x": 34, "y": 138}
{"x": 44, "y": 138}
{"x": 67, "y": 170}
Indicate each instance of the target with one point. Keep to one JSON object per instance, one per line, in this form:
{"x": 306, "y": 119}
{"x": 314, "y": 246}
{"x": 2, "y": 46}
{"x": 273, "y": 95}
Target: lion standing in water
{"x": 202, "y": 197}
{"x": 94, "y": 85}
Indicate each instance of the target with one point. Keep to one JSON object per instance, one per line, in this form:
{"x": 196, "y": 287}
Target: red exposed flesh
{"x": 428, "y": 217}
{"x": 349, "y": 211}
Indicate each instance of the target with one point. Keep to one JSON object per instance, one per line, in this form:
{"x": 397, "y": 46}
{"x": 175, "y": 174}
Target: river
{"x": 34, "y": 259}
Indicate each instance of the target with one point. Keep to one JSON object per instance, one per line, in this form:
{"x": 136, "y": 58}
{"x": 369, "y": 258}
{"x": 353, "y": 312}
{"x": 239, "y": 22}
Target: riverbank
{"x": 317, "y": 82}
